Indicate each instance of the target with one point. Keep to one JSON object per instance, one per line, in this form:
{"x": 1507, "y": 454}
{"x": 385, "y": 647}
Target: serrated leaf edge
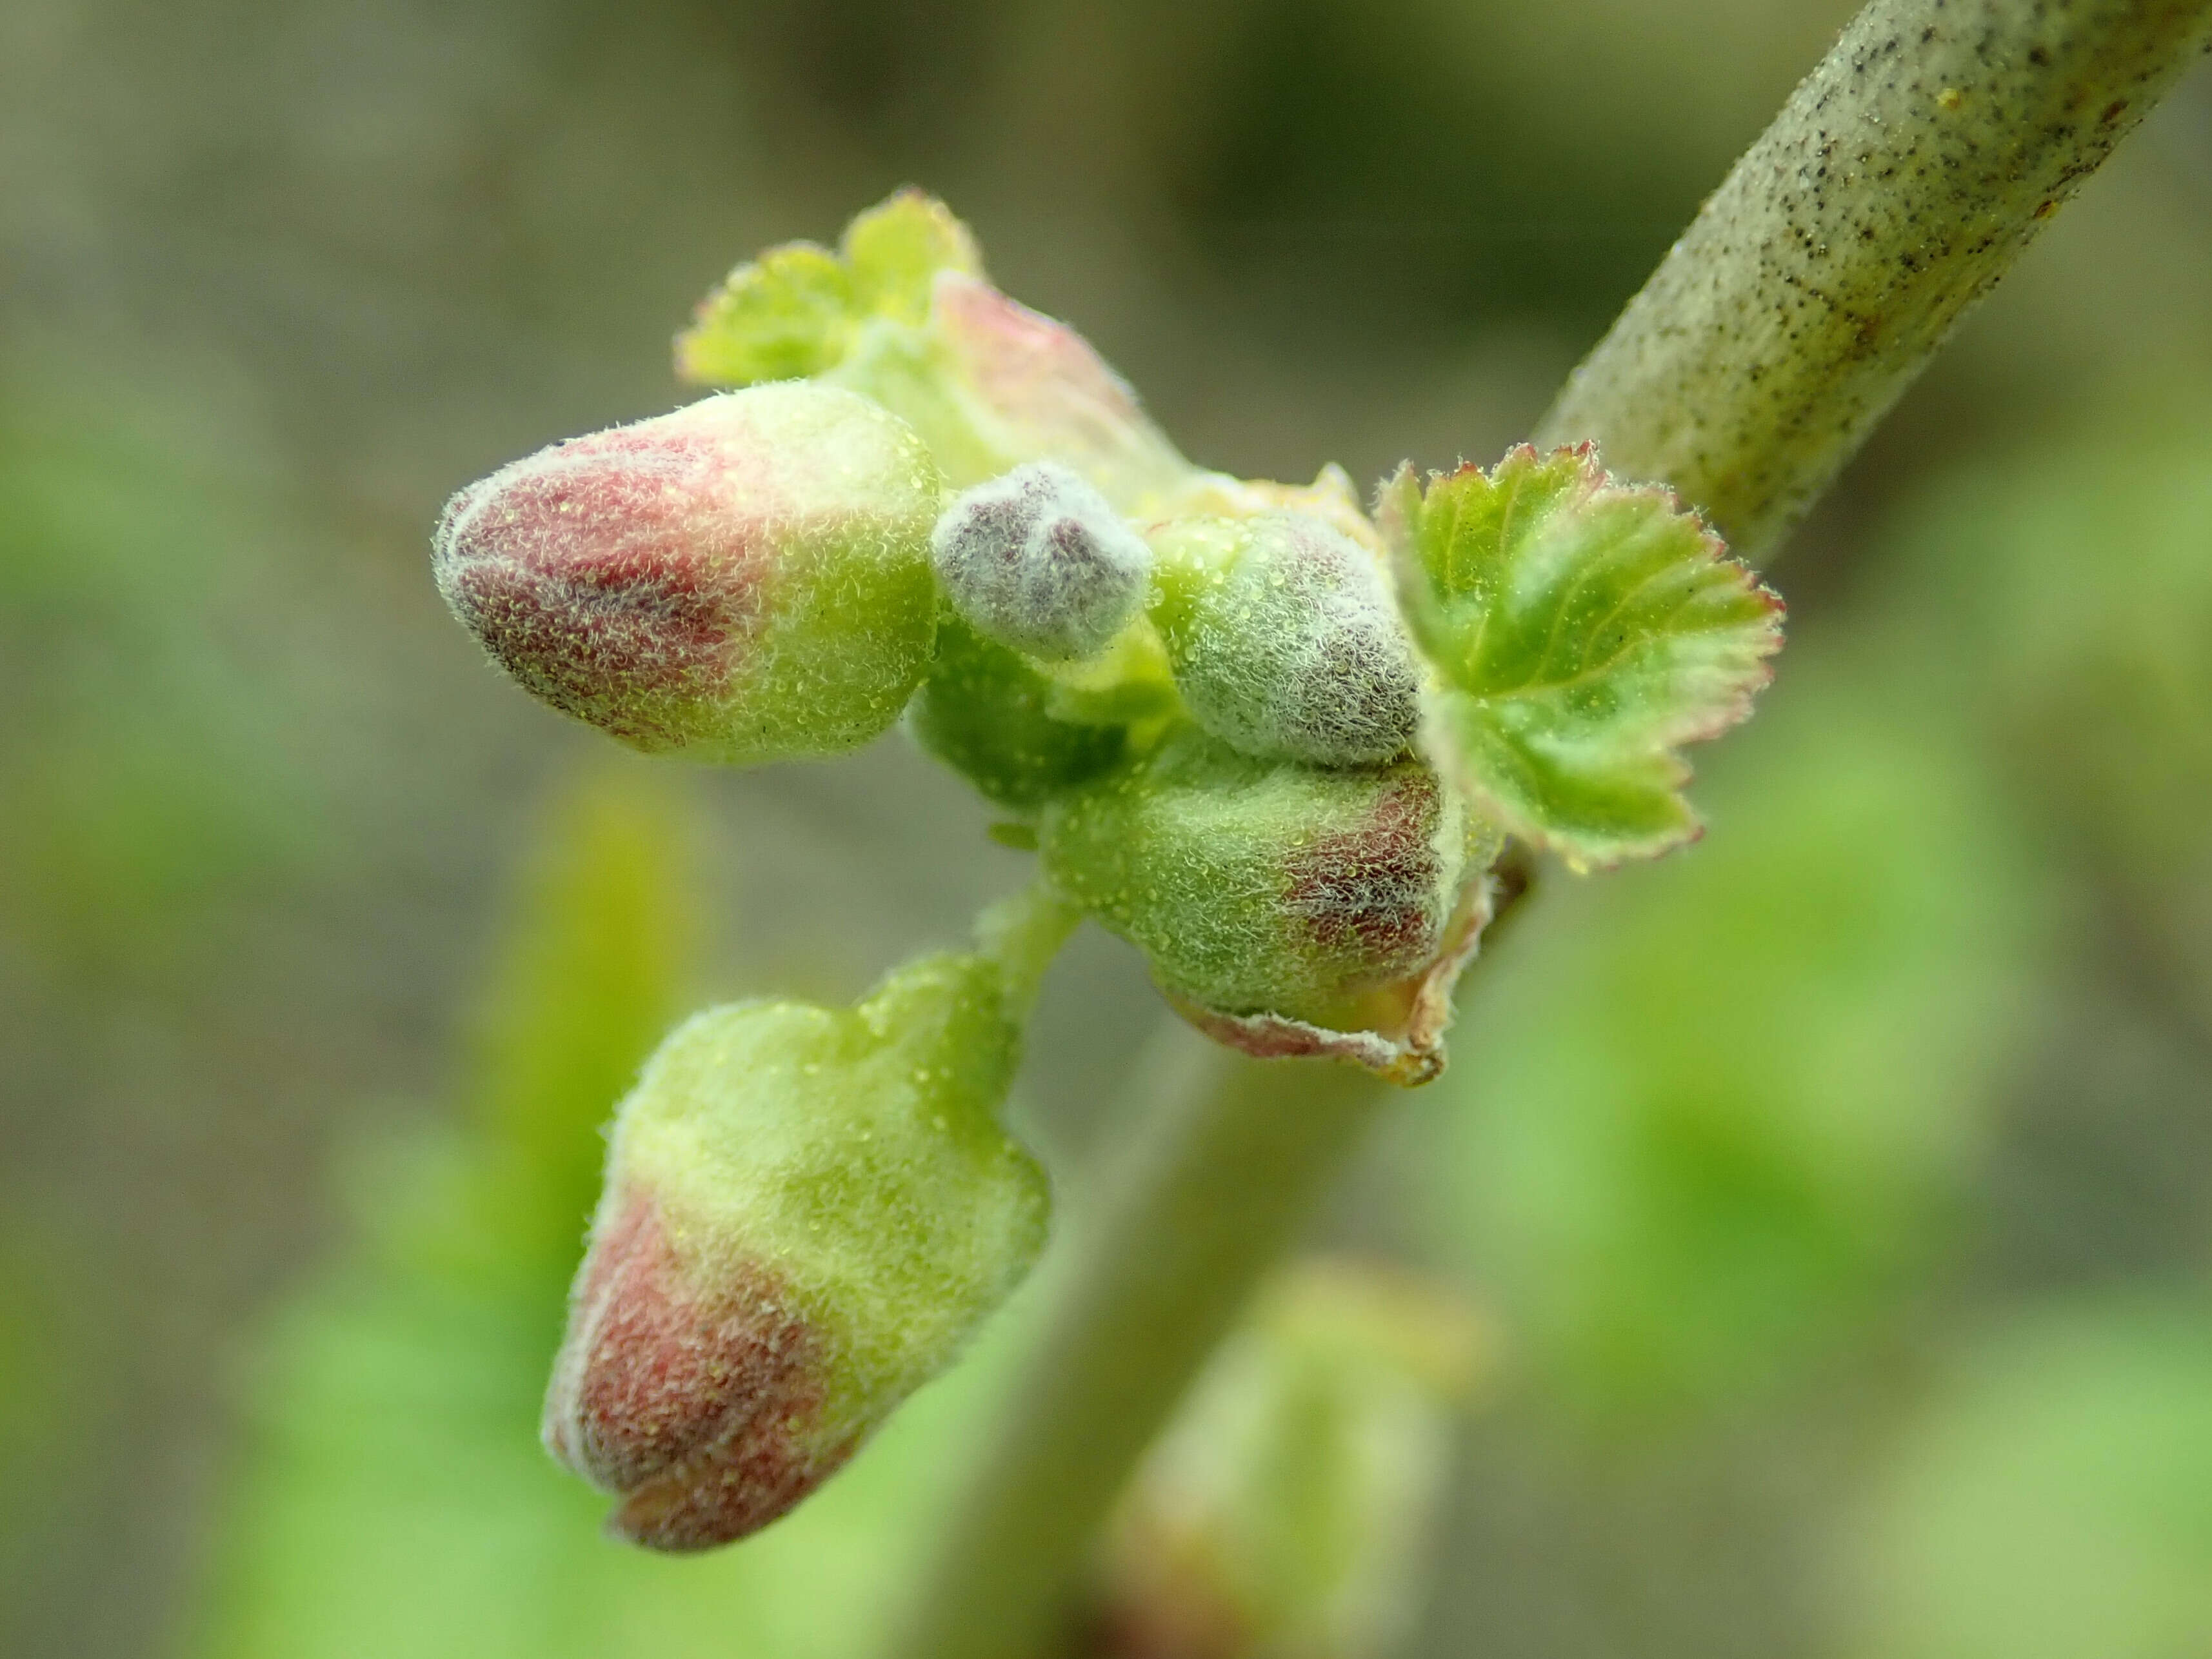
{"x": 1400, "y": 528}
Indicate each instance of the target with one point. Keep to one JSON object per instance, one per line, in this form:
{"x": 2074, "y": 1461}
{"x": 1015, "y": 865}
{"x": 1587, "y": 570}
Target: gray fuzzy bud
{"x": 1038, "y": 561}
{"x": 1287, "y": 641}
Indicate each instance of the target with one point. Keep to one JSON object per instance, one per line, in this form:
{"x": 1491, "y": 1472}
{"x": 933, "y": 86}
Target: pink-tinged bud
{"x": 1042, "y": 392}
{"x": 1285, "y": 908}
{"x": 692, "y": 1400}
{"x": 746, "y": 578}
{"x": 990, "y": 384}
{"x": 808, "y": 1212}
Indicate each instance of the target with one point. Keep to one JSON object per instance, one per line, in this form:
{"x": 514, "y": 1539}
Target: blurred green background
{"x": 1839, "y": 1189}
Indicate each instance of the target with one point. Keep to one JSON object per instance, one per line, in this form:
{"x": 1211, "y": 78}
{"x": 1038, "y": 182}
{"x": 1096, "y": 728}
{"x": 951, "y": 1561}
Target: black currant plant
{"x": 1297, "y": 745}
{"x": 1275, "y": 744}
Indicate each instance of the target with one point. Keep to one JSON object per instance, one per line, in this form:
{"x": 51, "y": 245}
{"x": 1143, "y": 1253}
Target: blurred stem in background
{"x": 1905, "y": 176}
{"x": 1211, "y": 1188}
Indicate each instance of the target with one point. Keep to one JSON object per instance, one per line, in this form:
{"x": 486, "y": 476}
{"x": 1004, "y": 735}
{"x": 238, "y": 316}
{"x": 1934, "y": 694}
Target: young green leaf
{"x": 1581, "y": 630}
{"x": 901, "y": 313}
{"x": 784, "y": 316}
{"x": 793, "y": 311}
{"x": 896, "y": 249}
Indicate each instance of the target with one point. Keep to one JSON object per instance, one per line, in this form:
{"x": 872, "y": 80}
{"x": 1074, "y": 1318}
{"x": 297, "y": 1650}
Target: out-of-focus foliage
{"x": 143, "y": 767}
{"x": 62, "y": 1388}
{"x": 2072, "y": 593}
{"x": 2053, "y": 1500}
{"x": 159, "y": 808}
{"x": 1708, "y": 1120}
{"x": 1288, "y": 1511}
{"x": 388, "y": 1450}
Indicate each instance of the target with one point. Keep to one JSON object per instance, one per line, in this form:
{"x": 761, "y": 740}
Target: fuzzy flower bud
{"x": 1285, "y": 639}
{"x": 1271, "y": 892}
{"x": 808, "y": 1210}
{"x": 1038, "y": 562}
{"x": 746, "y": 578}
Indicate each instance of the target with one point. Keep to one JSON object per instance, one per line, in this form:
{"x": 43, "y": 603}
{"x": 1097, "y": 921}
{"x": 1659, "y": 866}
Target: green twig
{"x": 1223, "y": 1169}
{"x": 1900, "y": 181}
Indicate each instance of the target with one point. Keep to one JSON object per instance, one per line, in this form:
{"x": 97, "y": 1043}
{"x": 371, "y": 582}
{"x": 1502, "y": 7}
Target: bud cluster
{"x": 1209, "y": 709}
{"x": 1200, "y": 695}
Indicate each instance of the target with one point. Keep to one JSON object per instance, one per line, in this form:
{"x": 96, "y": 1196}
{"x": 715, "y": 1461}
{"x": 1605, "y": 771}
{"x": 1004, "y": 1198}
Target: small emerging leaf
{"x": 1581, "y": 629}
{"x": 901, "y": 313}
{"x": 896, "y": 249}
{"x": 783, "y": 317}
{"x": 793, "y": 312}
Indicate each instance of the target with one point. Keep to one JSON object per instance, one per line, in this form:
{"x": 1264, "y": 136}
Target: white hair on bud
{"x": 1038, "y": 560}
{"x": 1298, "y": 650}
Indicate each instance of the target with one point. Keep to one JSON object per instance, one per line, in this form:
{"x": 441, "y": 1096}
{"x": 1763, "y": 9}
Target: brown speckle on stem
{"x": 1956, "y": 151}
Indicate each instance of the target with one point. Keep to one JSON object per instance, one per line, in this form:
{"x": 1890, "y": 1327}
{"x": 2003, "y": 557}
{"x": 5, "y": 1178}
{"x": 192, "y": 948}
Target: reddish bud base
{"x": 693, "y": 1405}
{"x": 605, "y": 576}
{"x": 1375, "y": 893}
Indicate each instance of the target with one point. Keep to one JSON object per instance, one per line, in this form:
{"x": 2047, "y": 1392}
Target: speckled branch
{"x": 1904, "y": 177}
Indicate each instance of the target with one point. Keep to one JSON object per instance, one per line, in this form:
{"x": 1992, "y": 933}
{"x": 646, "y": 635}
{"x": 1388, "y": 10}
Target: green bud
{"x": 1285, "y": 639}
{"x": 985, "y": 712}
{"x": 808, "y": 1212}
{"x": 1292, "y": 1505}
{"x": 746, "y": 578}
{"x": 1038, "y": 561}
{"x": 1281, "y": 906}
